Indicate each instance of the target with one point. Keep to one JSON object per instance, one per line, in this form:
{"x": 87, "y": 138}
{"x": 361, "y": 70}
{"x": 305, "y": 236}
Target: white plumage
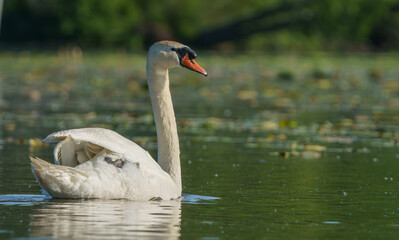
{"x": 100, "y": 163}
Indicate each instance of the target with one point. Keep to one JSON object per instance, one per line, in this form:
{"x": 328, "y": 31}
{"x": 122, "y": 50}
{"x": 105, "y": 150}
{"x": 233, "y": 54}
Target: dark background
{"x": 308, "y": 25}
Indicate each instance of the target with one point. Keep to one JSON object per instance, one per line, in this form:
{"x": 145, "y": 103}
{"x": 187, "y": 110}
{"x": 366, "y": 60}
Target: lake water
{"x": 272, "y": 147}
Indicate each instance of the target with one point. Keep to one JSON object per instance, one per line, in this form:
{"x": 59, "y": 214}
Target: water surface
{"x": 288, "y": 147}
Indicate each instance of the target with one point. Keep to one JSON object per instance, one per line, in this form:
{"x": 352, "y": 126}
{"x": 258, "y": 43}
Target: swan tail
{"x": 58, "y": 181}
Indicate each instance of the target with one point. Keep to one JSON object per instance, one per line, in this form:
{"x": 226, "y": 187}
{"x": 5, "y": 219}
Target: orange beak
{"x": 192, "y": 65}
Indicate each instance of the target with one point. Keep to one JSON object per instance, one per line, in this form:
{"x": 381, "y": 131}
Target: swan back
{"x": 95, "y": 140}
{"x": 88, "y": 142}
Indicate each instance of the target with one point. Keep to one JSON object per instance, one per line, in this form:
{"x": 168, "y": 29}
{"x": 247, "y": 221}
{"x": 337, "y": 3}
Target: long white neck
{"x": 168, "y": 140}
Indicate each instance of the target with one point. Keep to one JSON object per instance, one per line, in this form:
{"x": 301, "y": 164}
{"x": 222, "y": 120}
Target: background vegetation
{"x": 355, "y": 25}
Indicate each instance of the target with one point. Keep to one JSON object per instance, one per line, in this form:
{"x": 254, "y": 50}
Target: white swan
{"x": 100, "y": 163}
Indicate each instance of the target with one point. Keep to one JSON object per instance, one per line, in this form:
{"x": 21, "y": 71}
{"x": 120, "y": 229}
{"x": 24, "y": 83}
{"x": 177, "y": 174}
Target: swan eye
{"x": 183, "y": 51}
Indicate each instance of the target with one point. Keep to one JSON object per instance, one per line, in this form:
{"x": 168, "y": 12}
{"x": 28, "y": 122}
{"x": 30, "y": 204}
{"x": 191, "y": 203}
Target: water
{"x": 281, "y": 147}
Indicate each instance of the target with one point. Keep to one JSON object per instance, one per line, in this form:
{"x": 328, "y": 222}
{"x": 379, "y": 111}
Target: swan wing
{"x": 77, "y": 146}
{"x": 104, "y": 138}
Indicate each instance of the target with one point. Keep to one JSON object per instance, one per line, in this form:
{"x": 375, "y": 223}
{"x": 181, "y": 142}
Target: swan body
{"x": 100, "y": 163}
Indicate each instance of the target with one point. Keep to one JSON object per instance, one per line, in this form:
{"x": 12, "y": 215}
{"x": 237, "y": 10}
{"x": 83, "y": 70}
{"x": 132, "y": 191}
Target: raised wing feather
{"x": 107, "y": 139}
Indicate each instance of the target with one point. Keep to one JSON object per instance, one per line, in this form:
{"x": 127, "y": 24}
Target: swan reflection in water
{"x": 107, "y": 219}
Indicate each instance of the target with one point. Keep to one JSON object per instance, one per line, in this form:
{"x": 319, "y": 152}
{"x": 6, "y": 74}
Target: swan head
{"x": 169, "y": 54}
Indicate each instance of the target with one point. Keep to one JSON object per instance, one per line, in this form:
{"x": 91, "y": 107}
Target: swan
{"x": 100, "y": 163}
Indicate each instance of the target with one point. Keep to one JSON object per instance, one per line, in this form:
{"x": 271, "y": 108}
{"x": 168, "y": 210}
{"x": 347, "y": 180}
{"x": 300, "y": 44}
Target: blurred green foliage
{"x": 328, "y": 25}
{"x": 358, "y": 21}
